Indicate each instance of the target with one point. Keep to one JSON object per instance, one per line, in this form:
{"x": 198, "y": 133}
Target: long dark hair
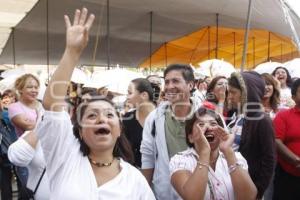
{"x": 122, "y": 147}
{"x": 289, "y": 81}
{"x": 210, "y": 96}
{"x": 275, "y": 98}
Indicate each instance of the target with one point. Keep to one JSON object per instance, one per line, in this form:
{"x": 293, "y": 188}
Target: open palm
{"x": 199, "y": 140}
{"x": 78, "y": 32}
{"x": 226, "y": 140}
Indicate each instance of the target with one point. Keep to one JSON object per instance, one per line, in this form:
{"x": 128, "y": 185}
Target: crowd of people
{"x": 186, "y": 138}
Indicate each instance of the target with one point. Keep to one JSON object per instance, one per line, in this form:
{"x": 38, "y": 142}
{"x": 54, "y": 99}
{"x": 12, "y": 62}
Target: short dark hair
{"x": 9, "y": 93}
{"x": 122, "y": 147}
{"x": 295, "y": 87}
{"x": 199, "y": 113}
{"x": 234, "y": 82}
{"x": 186, "y": 70}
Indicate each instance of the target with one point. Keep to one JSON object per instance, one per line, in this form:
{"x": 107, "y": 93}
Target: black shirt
{"x": 134, "y": 132}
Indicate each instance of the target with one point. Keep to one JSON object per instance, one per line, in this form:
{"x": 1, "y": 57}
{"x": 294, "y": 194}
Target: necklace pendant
{"x": 98, "y": 164}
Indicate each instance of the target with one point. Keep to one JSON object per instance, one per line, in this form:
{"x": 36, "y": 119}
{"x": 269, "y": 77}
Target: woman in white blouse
{"x": 87, "y": 160}
{"x": 209, "y": 168}
{"x": 27, "y": 152}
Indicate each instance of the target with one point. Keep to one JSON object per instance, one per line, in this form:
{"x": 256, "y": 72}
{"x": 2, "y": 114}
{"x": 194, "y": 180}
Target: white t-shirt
{"x": 219, "y": 179}
{"x": 285, "y": 97}
{"x": 20, "y": 153}
{"x": 70, "y": 173}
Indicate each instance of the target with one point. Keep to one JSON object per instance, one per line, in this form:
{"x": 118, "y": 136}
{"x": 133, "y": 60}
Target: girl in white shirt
{"x": 87, "y": 160}
{"x": 210, "y": 169}
{"x": 282, "y": 75}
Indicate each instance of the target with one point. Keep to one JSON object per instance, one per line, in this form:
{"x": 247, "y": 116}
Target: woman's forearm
{"x": 243, "y": 185}
{"x": 58, "y": 86}
{"x": 285, "y": 153}
{"x": 194, "y": 187}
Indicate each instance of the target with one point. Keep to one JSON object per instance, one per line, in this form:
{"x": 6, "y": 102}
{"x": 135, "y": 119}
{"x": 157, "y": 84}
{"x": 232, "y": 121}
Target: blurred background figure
{"x": 200, "y": 88}
{"x": 283, "y": 76}
{"x": 287, "y": 174}
{"x": 24, "y": 114}
{"x": 271, "y": 98}
{"x": 141, "y": 98}
{"x": 217, "y": 93}
{"x": 8, "y": 136}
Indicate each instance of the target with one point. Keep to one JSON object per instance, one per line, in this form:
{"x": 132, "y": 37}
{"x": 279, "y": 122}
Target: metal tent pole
{"x": 246, "y": 35}
{"x": 166, "y": 54}
{"x": 281, "y": 52}
{"x": 269, "y": 45}
{"x": 234, "y": 49}
{"x": 108, "y": 35}
{"x": 150, "y": 40}
{"x": 13, "y": 46}
{"x": 217, "y": 35}
{"x": 208, "y": 43}
{"x": 253, "y": 40}
{"x": 47, "y": 38}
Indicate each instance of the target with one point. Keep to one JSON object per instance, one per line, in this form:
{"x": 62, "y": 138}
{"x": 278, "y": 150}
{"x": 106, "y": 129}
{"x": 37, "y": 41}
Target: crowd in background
{"x": 176, "y": 137}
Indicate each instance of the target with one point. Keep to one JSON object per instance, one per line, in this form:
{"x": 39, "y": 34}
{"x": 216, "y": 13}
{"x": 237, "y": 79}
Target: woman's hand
{"x": 226, "y": 139}
{"x": 201, "y": 144}
{"x": 78, "y": 33}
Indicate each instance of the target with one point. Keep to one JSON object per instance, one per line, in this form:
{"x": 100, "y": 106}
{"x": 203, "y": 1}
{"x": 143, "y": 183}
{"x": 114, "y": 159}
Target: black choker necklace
{"x": 98, "y": 164}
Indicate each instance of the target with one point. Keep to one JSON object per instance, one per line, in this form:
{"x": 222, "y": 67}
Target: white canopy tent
{"x": 11, "y": 13}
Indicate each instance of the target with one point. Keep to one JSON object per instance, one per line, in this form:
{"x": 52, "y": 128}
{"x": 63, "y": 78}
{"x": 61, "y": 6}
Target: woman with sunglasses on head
{"x": 87, "y": 160}
{"x": 209, "y": 168}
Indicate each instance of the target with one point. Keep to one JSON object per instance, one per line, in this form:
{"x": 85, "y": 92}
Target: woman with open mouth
{"x": 282, "y": 75}
{"x": 87, "y": 160}
{"x": 209, "y": 168}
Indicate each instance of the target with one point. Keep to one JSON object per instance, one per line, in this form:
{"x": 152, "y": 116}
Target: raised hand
{"x": 226, "y": 139}
{"x": 76, "y": 40}
{"x": 78, "y": 33}
{"x": 200, "y": 142}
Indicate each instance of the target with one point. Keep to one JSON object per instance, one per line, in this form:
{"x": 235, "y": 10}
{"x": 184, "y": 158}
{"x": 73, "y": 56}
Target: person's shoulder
{"x": 190, "y": 152}
{"x": 130, "y": 169}
{"x": 15, "y": 105}
{"x": 130, "y": 115}
{"x": 284, "y": 112}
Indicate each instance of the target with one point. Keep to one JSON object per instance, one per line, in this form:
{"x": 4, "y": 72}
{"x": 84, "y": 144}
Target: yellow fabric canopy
{"x": 201, "y": 45}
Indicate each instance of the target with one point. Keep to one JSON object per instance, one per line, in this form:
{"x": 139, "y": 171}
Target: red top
{"x": 287, "y": 129}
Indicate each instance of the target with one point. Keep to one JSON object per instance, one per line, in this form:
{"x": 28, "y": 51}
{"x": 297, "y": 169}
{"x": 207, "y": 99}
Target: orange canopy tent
{"x": 223, "y": 43}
